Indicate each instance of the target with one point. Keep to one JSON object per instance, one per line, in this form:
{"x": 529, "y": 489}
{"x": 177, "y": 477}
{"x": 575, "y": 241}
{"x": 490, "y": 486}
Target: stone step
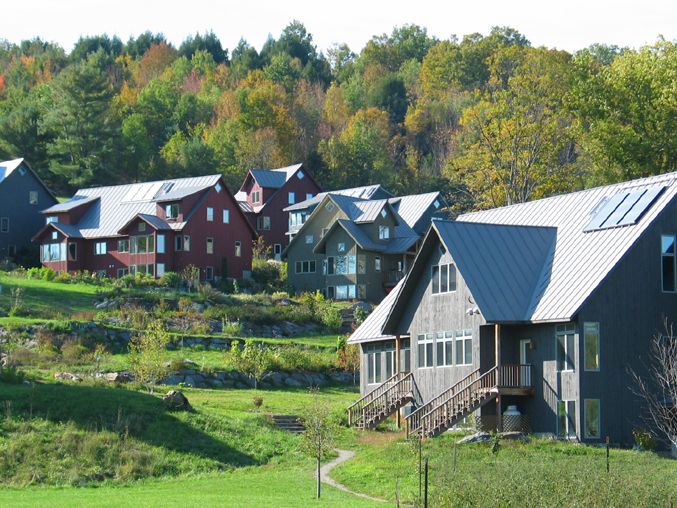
{"x": 289, "y": 423}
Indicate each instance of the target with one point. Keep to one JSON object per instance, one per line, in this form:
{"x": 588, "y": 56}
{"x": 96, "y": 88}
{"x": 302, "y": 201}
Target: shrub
{"x": 331, "y": 318}
{"x": 72, "y": 352}
{"x": 258, "y": 402}
{"x": 644, "y": 440}
{"x": 11, "y": 375}
{"x": 171, "y": 280}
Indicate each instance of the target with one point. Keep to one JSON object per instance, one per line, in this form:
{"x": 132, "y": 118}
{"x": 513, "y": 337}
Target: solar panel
{"x": 622, "y": 209}
{"x": 601, "y": 215}
{"x": 643, "y": 204}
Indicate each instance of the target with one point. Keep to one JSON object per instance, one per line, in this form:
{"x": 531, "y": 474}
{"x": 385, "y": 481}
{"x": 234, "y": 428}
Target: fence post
{"x": 425, "y": 499}
{"x": 607, "y": 454}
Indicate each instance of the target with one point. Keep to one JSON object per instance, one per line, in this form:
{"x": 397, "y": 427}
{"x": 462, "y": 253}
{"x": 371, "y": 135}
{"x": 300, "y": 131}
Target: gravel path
{"x": 343, "y": 455}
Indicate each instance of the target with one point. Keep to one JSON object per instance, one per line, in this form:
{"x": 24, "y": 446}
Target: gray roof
{"x": 274, "y": 178}
{"x": 8, "y": 167}
{"x": 414, "y": 207}
{"x": 113, "y": 207}
{"x": 359, "y": 193}
{"x": 355, "y": 232}
{"x": 581, "y": 259}
{"x": 503, "y": 266}
{"x": 372, "y": 328}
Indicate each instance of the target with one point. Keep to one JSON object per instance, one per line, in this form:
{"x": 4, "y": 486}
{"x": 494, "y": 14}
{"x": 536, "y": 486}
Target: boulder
{"x": 475, "y": 438}
{"x": 67, "y": 376}
{"x": 173, "y": 380}
{"x": 293, "y": 382}
{"x": 176, "y": 401}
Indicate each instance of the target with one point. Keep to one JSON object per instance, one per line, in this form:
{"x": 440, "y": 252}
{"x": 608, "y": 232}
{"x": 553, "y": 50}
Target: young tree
{"x": 147, "y": 354}
{"x": 658, "y": 386}
{"x": 348, "y": 356}
{"x": 253, "y": 360}
{"x": 318, "y": 439}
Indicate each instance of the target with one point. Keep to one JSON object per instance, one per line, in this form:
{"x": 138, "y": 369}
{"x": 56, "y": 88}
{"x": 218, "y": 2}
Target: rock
{"x": 284, "y": 302}
{"x": 67, "y": 376}
{"x": 196, "y": 381}
{"x": 276, "y": 379}
{"x": 173, "y": 380}
{"x": 293, "y": 382}
{"x": 176, "y": 401}
{"x": 475, "y": 438}
{"x": 228, "y": 383}
{"x": 365, "y": 306}
{"x": 118, "y": 377}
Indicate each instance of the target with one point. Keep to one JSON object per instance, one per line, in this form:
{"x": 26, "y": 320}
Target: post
{"x": 397, "y": 371}
{"x": 420, "y": 488}
{"x": 425, "y": 499}
{"x": 497, "y": 343}
{"x": 319, "y": 479}
{"x": 607, "y": 454}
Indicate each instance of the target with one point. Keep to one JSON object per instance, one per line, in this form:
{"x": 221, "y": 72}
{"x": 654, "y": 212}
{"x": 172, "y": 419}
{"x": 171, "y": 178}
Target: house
{"x": 22, "y": 196}
{"x": 151, "y": 228}
{"x": 355, "y": 248}
{"x": 528, "y": 316}
{"x": 264, "y": 195}
{"x": 299, "y": 212}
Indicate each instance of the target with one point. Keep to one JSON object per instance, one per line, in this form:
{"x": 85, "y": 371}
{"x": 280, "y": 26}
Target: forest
{"x": 488, "y": 119}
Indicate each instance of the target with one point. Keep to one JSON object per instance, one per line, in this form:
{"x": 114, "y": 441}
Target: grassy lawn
{"x": 540, "y": 473}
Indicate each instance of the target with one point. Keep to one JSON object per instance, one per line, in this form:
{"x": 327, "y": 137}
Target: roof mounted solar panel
{"x": 600, "y": 216}
{"x": 623, "y": 209}
{"x": 648, "y": 197}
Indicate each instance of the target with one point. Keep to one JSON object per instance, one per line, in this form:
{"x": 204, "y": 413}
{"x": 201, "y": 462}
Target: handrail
{"x": 400, "y": 389}
{"x": 355, "y": 409}
{"x": 515, "y": 376}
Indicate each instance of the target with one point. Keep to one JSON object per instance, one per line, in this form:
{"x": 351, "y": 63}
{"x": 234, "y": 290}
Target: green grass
{"x": 539, "y": 473}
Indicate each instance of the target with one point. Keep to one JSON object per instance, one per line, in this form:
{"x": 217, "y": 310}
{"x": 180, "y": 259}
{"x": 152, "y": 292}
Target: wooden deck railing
{"x": 515, "y": 376}
{"x": 396, "y": 386}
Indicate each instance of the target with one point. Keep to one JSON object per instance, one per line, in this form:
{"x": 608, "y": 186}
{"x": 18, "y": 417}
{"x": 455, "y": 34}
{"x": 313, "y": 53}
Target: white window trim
{"x": 461, "y": 336}
{"x": 425, "y": 341}
{"x": 565, "y": 333}
{"x": 445, "y": 337}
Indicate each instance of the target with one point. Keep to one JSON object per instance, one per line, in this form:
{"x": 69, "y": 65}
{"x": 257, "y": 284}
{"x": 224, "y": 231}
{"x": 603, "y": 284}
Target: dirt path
{"x": 343, "y": 455}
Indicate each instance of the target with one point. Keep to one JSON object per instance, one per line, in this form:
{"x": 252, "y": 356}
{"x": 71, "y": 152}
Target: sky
{"x": 570, "y": 25}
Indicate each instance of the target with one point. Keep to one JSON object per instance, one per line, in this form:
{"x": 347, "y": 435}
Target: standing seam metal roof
{"x": 372, "y": 328}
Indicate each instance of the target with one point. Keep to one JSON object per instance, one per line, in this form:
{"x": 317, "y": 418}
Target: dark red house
{"x": 265, "y": 194}
{"x": 152, "y": 228}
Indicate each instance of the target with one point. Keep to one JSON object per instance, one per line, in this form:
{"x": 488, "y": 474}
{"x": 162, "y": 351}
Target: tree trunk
{"x": 319, "y": 480}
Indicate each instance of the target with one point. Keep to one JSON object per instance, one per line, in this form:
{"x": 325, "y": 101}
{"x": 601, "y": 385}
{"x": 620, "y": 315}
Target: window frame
{"x": 209, "y": 273}
{"x": 673, "y": 256}
{"x": 210, "y": 214}
{"x": 586, "y": 326}
{"x": 564, "y": 330}
{"x": 172, "y": 211}
{"x": 100, "y": 248}
{"x": 425, "y": 350}
{"x": 238, "y": 249}
{"x": 444, "y": 340}
{"x": 441, "y": 285}
{"x": 160, "y": 267}
{"x": 585, "y": 418}
{"x": 377, "y": 263}
{"x": 291, "y": 197}
{"x": 463, "y": 338}
{"x": 569, "y": 417}
{"x": 383, "y": 232}
{"x": 256, "y": 196}
{"x": 123, "y": 246}
{"x": 33, "y": 197}
{"x": 209, "y": 245}
{"x": 226, "y": 216}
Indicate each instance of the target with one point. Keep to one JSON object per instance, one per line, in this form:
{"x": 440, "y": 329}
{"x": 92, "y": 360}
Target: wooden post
{"x": 425, "y": 498}
{"x": 607, "y": 454}
{"x": 497, "y": 340}
{"x": 397, "y": 371}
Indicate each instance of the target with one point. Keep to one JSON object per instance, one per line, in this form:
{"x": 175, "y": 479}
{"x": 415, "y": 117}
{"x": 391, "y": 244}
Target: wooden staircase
{"x": 380, "y": 403}
{"x": 466, "y": 396}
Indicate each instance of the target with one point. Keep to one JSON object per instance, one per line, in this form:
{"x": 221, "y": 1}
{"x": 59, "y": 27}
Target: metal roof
{"x": 581, "y": 259}
{"x": 361, "y": 193}
{"x": 113, "y": 207}
{"x": 501, "y": 264}
{"x": 355, "y": 232}
{"x": 72, "y": 203}
{"x": 8, "y": 167}
{"x": 414, "y": 207}
{"x": 371, "y": 328}
{"x": 274, "y": 178}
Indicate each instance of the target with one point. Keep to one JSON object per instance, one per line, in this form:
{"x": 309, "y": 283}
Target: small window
{"x": 591, "y": 346}
{"x": 182, "y": 243}
{"x": 256, "y": 197}
{"x": 33, "y": 197}
{"x": 172, "y": 211}
{"x": 668, "y": 263}
{"x": 436, "y": 204}
{"x": 4, "y": 224}
{"x": 226, "y": 216}
{"x": 277, "y": 249}
{"x": 309, "y": 195}
{"x": 160, "y": 244}
{"x": 160, "y": 269}
{"x": 383, "y": 232}
{"x": 425, "y": 350}
{"x": 209, "y": 273}
{"x": 384, "y": 214}
{"x": 362, "y": 291}
{"x": 443, "y": 278}
{"x": 300, "y": 175}
{"x": 263, "y": 223}
{"x": 210, "y": 214}
{"x": 330, "y": 207}
{"x": 592, "y": 418}
{"x": 55, "y": 235}
{"x": 377, "y": 263}
{"x": 51, "y": 219}
{"x": 292, "y": 198}
{"x": 210, "y": 246}
{"x": 309, "y": 239}
{"x": 100, "y": 248}
{"x": 218, "y": 187}
{"x": 565, "y": 346}
{"x": 72, "y": 251}
{"x": 142, "y": 226}
{"x": 238, "y": 248}
{"x": 341, "y": 247}
{"x": 123, "y": 245}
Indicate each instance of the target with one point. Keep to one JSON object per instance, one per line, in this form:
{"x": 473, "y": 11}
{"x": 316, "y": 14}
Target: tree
{"x": 657, "y": 387}
{"x": 318, "y": 439}
{"x": 147, "y": 354}
{"x": 348, "y": 356}
{"x": 208, "y": 42}
{"x": 253, "y": 360}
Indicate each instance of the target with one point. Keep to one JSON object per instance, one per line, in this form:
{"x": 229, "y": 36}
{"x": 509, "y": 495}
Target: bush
{"x": 644, "y": 440}
{"x": 72, "y": 352}
{"x": 171, "y": 280}
{"x": 11, "y": 375}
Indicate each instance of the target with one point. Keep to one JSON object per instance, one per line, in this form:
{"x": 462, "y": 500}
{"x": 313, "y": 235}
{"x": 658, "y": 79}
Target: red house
{"x": 152, "y": 228}
{"x": 265, "y": 194}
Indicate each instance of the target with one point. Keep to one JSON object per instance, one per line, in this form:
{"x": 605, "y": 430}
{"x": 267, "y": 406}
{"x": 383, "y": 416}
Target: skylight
{"x": 622, "y": 209}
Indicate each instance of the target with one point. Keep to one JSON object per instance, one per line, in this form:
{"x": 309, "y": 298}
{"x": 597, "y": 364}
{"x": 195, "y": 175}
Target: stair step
{"x": 289, "y": 423}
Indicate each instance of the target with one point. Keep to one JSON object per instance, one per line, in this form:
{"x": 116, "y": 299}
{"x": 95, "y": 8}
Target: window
{"x": 342, "y": 292}
{"x": 33, "y": 197}
{"x": 142, "y": 226}
{"x": 122, "y": 272}
{"x": 160, "y": 269}
{"x": 361, "y": 264}
{"x": 297, "y": 219}
{"x": 305, "y": 266}
{"x": 309, "y": 195}
{"x": 436, "y": 204}
{"x": 238, "y": 248}
{"x": 277, "y": 249}
{"x": 425, "y": 350}
{"x": 210, "y": 246}
{"x": 142, "y": 244}
{"x": 565, "y": 346}
{"x": 405, "y": 355}
{"x": 210, "y": 214}
{"x": 123, "y": 245}
{"x": 292, "y": 198}
{"x": 209, "y": 273}
{"x": 592, "y": 418}
{"x": 383, "y": 232}
{"x": 377, "y": 263}
{"x": 330, "y": 292}
{"x": 55, "y": 235}
{"x": 182, "y": 243}
{"x": 172, "y": 211}
{"x": 444, "y": 342}
{"x": 373, "y": 364}
{"x": 4, "y": 224}
{"x": 329, "y": 266}
{"x": 263, "y": 222}
{"x": 443, "y": 278}
{"x": 380, "y": 361}
{"x": 566, "y": 418}
{"x": 343, "y": 265}
{"x": 341, "y": 247}
{"x": 351, "y": 265}
{"x": 668, "y": 263}
{"x": 160, "y": 244}
{"x": 300, "y": 175}
{"x": 256, "y": 197}
{"x": 101, "y": 273}
{"x": 362, "y": 291}
{"x": 218, "y": 187}
{"x": 384, "y": 214}
{"x": 53, "y": 252}
{"x": 144, "y": 269}
{"x": 330, "y": 207}
{"x": 100, "y": 248}
{"x": 591, "y": 346}
{"x": 51, "y": 219}
{"x": 226, "y": 216}
{"x": 463, "y": 342}
{"x": 73, "y": 251}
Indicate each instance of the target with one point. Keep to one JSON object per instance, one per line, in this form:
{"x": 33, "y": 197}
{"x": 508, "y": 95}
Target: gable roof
{"x": 413, "y": 209}
{"x": 115, "y": 206}
{"x": 274, "y": 178}
{"x": 360, "y": 193}
{"x": 372, "y": 328}
{"x": 9, "y": 167}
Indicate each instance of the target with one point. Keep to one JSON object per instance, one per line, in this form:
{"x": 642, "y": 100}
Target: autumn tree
{"x": 148, "y": 353}
{"x": 348, "y": 356}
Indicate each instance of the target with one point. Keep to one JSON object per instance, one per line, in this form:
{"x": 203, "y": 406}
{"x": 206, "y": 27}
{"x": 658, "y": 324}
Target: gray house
{"x": 528, "y": 316}
{"x": 351, "y": 248}
{"x": 22, "y": 197}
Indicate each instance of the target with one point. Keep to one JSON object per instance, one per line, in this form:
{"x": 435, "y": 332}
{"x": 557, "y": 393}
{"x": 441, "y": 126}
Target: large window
{"x": 160, "y": 244}
{"x": 142, "y": 244}
{"x": 172, "y": 211}
{"x": 345, "y": 292}
{"x": 263, "y": 223}
{"x": 463, "y": 342}
{"x": 668, "y": 263}
{"x": 425, "y": 350}
{"x": 123, "y": 245}
{"x": 305, "y": 266}
{"x": 566, "y": 339}
{"x": 182, "y": 243}
{"x": 53, "y": 252}
{"x": 443, "y": 278}
{"x": 100, "y": 248}
{"x": 444, "y": 342}
{"x": 380, "y": 362}
{"x": 566, "y": 418}
{"x": 591, "y": 348}
{"x": 592, "y": 418}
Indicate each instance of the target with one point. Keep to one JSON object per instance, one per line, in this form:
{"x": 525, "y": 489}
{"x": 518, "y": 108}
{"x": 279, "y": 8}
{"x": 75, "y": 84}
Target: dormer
{"x": 171, "y": 211}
